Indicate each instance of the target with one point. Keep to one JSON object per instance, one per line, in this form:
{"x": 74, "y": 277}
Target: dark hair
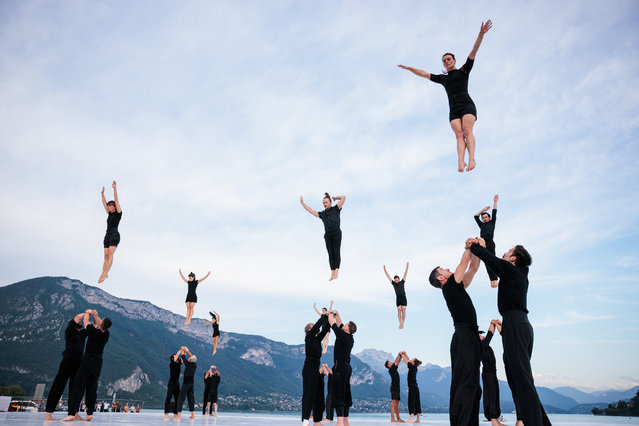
{"x": 327, "y": 196}
{"x": 213, "y": 315}
{"x": 388, "y": 364}
{"x": 308, "y": 327}
{"x": 448, "y": 53}
{"x": 522, "y": 257}
{"x": 106, "y": 323}
{"x": 417, "y": 362}
{"x": 485, "y": 213}
{"x": 111, "y": 203}
{"x": 432, "y": 278}
{"x": 324, "y": 309}
{"x": 192, "y": 275}
{"x": 352, "y": 328}
{"x": 396, "y": 276}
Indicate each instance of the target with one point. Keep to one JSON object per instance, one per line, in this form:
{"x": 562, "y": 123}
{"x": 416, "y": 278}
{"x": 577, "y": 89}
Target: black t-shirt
{"x": 459, "y": 303}
{"x": 394, "y": 375}
{"x": 330, "y": 217}
{"x": 399, "y": 288}
{"x": 455, "y": 82}
{"x": 192, "y": 286}
{"x": 96, "y": 340}
{"x": 512, "y": 293}
{"x": 189, "y": 370}
{"x": 487, "y": 229}
{"x": 343, "y": 345}
{"x": 174, "y": 367}
{"x": 74, "y": 337}
{"x": 411, "y": 379}
{"x": 313, "y": 339}
{"x": 113, "y": 221}
{"x": 215, "y": 382}
{"x": 487, "y": 354}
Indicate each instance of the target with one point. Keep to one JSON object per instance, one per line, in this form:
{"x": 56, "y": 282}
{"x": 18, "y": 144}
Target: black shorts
{"x": 191, "y": 297}
{"x": 212, "y": 397}
{"x": 462, "y": 108}
{"x": 111, "y": 239}
{"x": 395, "y": 393}
{"x": 401, "y": 300}
{"x": 216, "y": 333}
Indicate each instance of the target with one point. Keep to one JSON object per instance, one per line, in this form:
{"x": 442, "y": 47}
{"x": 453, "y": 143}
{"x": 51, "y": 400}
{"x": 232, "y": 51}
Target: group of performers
{"x": 414, "y": 401}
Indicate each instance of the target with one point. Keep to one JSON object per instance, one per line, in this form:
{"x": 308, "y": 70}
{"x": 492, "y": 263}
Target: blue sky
{"x": 214, "y": 117}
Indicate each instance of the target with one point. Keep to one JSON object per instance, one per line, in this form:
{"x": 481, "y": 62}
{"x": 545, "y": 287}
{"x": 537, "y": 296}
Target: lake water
{"x": 155, "y": 417}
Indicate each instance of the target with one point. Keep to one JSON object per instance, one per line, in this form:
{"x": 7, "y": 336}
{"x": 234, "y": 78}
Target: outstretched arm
{"x": 405, "y": 272}
{"x": 205, "y": 321}
{"x": 217, "y": 316}
{"x": 481, "y": 211}
{"x": 115, "y": 198}
{"x": 340, "y": 201}
{"x": 104, "y": 202}
{"x": 463, "y": 266}
{"x": 416, "y": 71}
{"x": 472, "y": 270}
{"x": 482, "y": 30}
{"x": 405, "y": 357}
{"x": 183, "y": 277}
{"x": 330, "y": 307}
{"x": 495, "y": 201}
{"x": 387, "y": 274}
{"x": 398, "y": 358}
{"x": 307, "y": 208}
{"x": 205, "y": 277}
{"x": 338, "y": 319}
{"x": 316, "y": 310}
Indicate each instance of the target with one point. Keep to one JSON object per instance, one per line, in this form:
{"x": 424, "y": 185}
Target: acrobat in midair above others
{"x": 332, "y": 232}
{"x": 463, "y": 113}
{"x": 112, "y": 236}
{"x": 215, "y": 323}
{"x": 400, "y": 294}
{"x": 324, "y": 312}
{"x": 191, "y": 296}
{"x": 487, "y": 232}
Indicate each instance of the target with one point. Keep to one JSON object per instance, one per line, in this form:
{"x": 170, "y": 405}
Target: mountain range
{"x": 257, "y": 373}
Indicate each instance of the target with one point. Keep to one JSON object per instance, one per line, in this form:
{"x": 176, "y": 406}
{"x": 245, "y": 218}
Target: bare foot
{"x": 101, "y": 279}
{"x": 496, "y": 422}
{"x": 89, "y": 418}
{"x": 177, "y": 416}
{"x": 192, "y": 415}
{"x": 519, "y": 423}
{"x": 48, "y": 417}
{"x": 72, "y": 418}
{"x": 332, "y": 276}
{"x": 336, "y": 273}
{"x": 471, "y": 165}
{"x": 318, "y": 424}
{"x": 494, "y": 284}
{"x": 166, "y": 416}
{"x": 461, "y": 166}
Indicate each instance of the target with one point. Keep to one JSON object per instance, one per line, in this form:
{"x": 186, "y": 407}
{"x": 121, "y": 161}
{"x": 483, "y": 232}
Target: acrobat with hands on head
{"x": 332, "y": 231}
{"x": 414, "y": 399}
{"x": 463, "y": 113}
{"x": 212, "y": 381}
{"x": 324, "y": 312}
{"x": 492, "y": 410}
{"x": 191, "y": 296}
{"x": 187, "y": 383}
{"x": 173, "y": 385}
{"x": 400, "y": 294}
{"x": 215, "y": 323}
{"x": 341, "y": 392}
{"x": 112, "y": 236}
{"x": 487, "y": 232}
{"x": 394, "y": 388}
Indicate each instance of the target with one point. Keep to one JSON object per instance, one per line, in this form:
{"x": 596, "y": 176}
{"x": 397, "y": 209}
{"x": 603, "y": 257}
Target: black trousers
{"x": 517, "y": 337}
{"x": 465, "y": 355}
{"x": 205, "y": 398}
{"x": 329, "y": 397}
{"x": 318, "y": 408}
{"x": 333, "y": 241}
{"x": 172, "y": 392}
{"x": 414, "y": 401}
{"x": 492, "y": 410}
{"x": 212, "y": 398}
{"x": 310, "y": 377}
{"x": 86, "y": 378}
{"x": 66, "y": 372}
{"x": 342, "y": 399}
{"x": 490, "y": 246}
{"x": 186, "y": 393}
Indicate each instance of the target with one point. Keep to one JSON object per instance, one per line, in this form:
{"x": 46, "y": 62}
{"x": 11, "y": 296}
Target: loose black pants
{"x": 318, "y": 408}
{"x": 465, "y": 355}
{"x": 414, "y": 401}
{"x": 172, "y": 392}
{"x": 86, "y": 378}
{"x": 66, "y": 371}
{"x": 329, "y": 397}
{"x": 186, "y": 392}
{"x": 492, "y": 409}
{"x": 205, "y": 398}
{"x": 333, "y": 241}
{"x": 517, "y": 337}
{"x": 342, "y": 399}
{"x": 310, "y": 377}
{"x": 490, "y": 246}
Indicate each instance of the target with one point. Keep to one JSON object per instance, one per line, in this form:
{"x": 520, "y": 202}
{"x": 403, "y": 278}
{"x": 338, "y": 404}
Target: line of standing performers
{"x": 81, "y": 364}
{"x": 414, "y": 400}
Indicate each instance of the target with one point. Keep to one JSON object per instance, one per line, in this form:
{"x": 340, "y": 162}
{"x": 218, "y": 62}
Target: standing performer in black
{"x": 342, "y": 370}
{"x": 332, "y": 232}
{"x": 173, "y": 386}
{"x": 207, "y": 387}
{"x": 492, "y": 410}
{"x": 487, "y": 232}
{"x": 191, "y": 296}
{"x": 463, "y": 112}
{"x": 517, "y": 333}
{"x": 112, "y": 236}
{"x": 88, "y": 373}
{"x": 465, "y": 349}
{"x": 74, "y": 337}
{"x": 310, "y": 375}
{"x": 400, "y": 294}
{"x": 414, "y": 400}
{"x": 330, "y": 408}
{"x": 318, "y": 408}
{"x": 394, "y": 388}
{"x": 187, "y": 383}
{"x": 214, "y": 383}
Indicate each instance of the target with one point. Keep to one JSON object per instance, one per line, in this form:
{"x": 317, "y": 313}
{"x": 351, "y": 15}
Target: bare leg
{"x": 186, "y": 319}
{"x": 215, "y": 339}
{"x": 403, "y": 315}
{"x": 178, "y": 415}
{"x": 468, "y": 121}
{"x": 89, "y": 418}
{"x": 410, "y": 420}
{"x": 332, "y": 275}
{"x": 103, "y": 274}
{"x": 519, "y": 423}
{"x": 456, "y": 124}
{"x": 399, "y": 315}
{"x": 340, "y": 421}
{"x": 418, "y": 421}
{"x": 494, "y": 284}
{"x": 192, "y": 416}
{"x": 215, "y": 408}
{"x": 166, "y": 416}
{"x": 496, "y": 422}
{"x": 325, "y": 344}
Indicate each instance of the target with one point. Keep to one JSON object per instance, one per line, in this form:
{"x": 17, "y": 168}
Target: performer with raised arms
{"x": 487, "y": 232}
{"x": 492, "y": 410}
{"x": 310, "y": 375}
{"x": 191, "y": 296}
{"x": 112, "y": 236}
{"x": 173, "y": 385}
{"x": 463, "y": 113}
{"x": 400, "y": 294}
{"x": 215, "y": 323}
{"x": 394, "y": 388}
{"x": 324, "y": 312}
{"x": 342, "y": 400}
{"x": 332, "y": 232}
{"x": 414, "y": 399}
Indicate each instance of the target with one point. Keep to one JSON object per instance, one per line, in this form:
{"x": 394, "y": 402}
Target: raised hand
{"x": 481, "y": 242}
{"x": 486, "y": 26}
{"x": 301, "y": 199}
{"x": 102, "y": 190}
{"x": 496, "y": 197}
{"x": 114, "y": 185}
